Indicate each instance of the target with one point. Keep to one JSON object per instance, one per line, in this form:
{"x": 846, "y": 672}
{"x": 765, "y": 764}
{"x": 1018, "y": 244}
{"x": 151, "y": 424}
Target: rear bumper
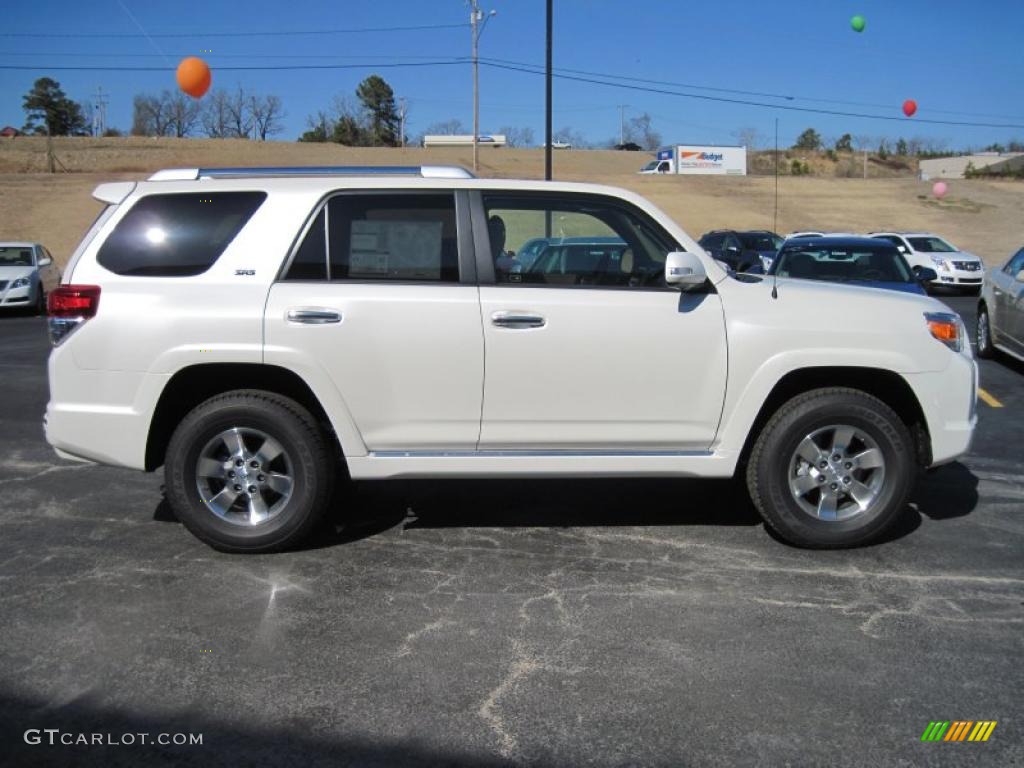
{"x": 99, "y": 416}
{"x": 949, "y": 402}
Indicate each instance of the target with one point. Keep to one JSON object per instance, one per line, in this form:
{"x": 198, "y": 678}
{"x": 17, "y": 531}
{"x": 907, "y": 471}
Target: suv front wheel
{"x": 832, "y": 468}
{"x": 249, "y": 471}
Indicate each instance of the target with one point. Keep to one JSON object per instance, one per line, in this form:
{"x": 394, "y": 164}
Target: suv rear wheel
{"x": 249, "y": 471}
{"x": 832, "y": 468}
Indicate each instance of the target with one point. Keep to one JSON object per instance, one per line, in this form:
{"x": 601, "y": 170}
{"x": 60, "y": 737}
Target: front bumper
{"x": 961, "y": 278}
{"x": 949, "y": 401}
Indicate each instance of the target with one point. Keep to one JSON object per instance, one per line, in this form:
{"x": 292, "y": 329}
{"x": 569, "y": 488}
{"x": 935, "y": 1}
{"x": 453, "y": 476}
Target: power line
{"x": 746, "y": 102}
{"x": 765, "y": 94}
{"x": 363, "y": 65}
{"x": 274, "y": 33}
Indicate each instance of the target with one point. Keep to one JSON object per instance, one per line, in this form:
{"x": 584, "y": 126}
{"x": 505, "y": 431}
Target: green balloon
{"x": 858, "y": 23}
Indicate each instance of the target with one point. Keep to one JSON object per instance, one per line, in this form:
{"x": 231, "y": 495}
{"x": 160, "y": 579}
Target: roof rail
{"x": 425, "y": 171}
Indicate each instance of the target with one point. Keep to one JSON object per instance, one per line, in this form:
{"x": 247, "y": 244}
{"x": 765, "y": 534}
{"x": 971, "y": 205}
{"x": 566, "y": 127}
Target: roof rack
{"x": 425, "y": 171}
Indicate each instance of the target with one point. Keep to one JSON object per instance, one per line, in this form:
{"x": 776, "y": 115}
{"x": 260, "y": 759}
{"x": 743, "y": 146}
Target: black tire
{"x": 303, "y": 442}
{"x": 39, "y": 308}
{"x": 769, "y": 467}
{"x": 983, "y": 334}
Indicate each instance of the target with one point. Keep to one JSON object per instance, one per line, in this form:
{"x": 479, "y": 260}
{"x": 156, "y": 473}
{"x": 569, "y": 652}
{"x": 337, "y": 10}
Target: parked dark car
{"x": 742, "y": 250}
{"x": 860, "y": 260}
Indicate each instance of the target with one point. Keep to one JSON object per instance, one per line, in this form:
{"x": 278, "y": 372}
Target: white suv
{"x": 261, "y": 332}
{"x": 954, "y": 268}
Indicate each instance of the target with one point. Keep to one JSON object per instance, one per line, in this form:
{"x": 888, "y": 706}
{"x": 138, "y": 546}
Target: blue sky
{"x": 960, "y": 62}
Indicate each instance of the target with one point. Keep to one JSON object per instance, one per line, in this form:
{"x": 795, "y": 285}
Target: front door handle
{"x": 517, "y": 320}
{"x": 313, "y": 316}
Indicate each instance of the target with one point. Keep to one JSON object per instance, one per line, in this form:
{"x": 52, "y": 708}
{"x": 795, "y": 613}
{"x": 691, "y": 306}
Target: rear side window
{"x": 405, "y": 237}
{"x": 177, "y": 235}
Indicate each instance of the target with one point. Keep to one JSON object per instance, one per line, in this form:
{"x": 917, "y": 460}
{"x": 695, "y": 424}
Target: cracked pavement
{"x": 600, "y": 622}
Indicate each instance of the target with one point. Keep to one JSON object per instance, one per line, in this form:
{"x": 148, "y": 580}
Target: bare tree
{"x": 267, "y": 113}
{"x": 640, "y": 130}
{"x": 149, "y": 115}
{"x": 748, "y": 137}
{"x": 568, "y": 135}
{"x": 447, "y": 128}
{"x": 182, "y": 113}
{"x": 239, "y": 114}
{"x": 517, "y": 137}
{"x": 216, "y": 117}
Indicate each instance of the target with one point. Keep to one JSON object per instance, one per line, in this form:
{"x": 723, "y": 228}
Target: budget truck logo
{"x": 710, "y": 157}
{"x": 958, "y": 730}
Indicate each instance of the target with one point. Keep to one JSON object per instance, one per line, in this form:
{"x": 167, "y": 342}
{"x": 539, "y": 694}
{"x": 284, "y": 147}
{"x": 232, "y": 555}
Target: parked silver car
{"x": 1001, "y": 310}
{"x": 27, "y": 273}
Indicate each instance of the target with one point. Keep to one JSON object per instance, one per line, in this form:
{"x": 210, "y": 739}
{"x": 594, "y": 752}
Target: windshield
{"x": 650, "y": 166}
{"x": 862, "y": 263}
{"x": 930, "y": 245}
{"x": 761, "y": 241}
{"x": 15, "y": 256}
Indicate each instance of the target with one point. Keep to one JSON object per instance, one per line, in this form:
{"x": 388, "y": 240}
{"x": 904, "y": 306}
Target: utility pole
{"x": 401, "y": 121}
{"x": 865, "y": 162}
{"x": 99, "y": 112}
{"x": 477, "y": 22}
{"x": 622, "y": 123}
{"x": 547, "y": 107}
{"x": 775, "y": 218}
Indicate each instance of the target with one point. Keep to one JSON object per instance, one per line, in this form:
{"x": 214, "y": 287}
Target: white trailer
{"x": 460, "y": 140}
{"x": 699, "y": 159}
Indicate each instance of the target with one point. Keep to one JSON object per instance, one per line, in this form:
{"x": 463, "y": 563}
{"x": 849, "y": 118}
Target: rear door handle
{"x": 313, "y": 316}
{"x": 517, "y": 320}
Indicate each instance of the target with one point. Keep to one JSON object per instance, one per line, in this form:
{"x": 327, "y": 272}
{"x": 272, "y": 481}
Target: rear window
{"x": 177, "y": 235}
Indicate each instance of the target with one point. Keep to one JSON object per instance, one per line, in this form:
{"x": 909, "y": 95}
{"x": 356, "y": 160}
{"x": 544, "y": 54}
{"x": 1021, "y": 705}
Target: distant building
{"x": 9, "y": 132}
{"x": 955, "y": 167}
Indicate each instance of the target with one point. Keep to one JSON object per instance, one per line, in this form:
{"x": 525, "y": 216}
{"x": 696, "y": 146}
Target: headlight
{"x": 948, "y": 328}
{"x": 21, "y": 282}
{"x": 940, "y": 263}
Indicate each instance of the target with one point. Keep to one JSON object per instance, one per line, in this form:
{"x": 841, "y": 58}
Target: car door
{"x": 1009, "y": 295}
{"x": 589, "y": 350}
{"x": 381, "y": 295}
{"x": 712, "y": 244}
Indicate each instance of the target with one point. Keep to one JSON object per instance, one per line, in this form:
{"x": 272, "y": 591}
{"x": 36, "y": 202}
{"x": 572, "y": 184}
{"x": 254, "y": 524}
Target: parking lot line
{"x": 989, "y": 400}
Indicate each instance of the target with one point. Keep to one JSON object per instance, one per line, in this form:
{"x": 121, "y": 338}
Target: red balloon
{"x": 909, "y": 107}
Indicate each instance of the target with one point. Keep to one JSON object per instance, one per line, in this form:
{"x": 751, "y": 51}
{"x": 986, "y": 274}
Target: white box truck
{"x": 699, "y": 158}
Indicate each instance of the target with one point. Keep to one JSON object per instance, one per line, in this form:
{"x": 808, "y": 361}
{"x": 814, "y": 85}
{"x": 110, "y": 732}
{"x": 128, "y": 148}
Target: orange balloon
{"x": 194, "y": 76}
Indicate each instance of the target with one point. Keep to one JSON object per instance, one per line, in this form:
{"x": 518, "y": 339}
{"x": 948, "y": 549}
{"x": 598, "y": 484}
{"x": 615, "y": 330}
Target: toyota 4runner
{"x": 262, "y": 332}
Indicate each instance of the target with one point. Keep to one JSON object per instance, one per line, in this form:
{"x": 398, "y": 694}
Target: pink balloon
{"x": 939, "y": 189}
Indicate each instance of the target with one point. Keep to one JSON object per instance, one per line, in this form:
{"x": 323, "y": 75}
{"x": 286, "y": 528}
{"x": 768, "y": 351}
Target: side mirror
{"x": 684, "y": 270}
{"x": 1019, "y": 277}
{"x": 925, "y": 274}
{"x": 45, "y": 261}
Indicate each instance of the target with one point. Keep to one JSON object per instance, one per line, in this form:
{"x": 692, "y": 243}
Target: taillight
{"x": 68, "y": 306}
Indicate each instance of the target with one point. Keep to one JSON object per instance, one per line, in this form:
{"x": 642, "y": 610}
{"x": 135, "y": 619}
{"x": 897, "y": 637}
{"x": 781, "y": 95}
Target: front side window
{"x": 580, "y": 240}
{"x": 931, "y": 245}
{"x": 405, "y": 237}
{"x": 177, "y": 235}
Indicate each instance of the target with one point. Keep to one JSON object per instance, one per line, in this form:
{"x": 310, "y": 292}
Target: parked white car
{"x": 27, "y": 273}
{"x": 1001, "y": 310}
{"x": 955, "y": 268}
{"x": 253, "y": 330}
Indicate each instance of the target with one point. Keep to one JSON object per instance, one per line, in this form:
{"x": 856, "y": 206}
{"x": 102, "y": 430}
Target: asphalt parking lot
{"x": 491, "y": 623}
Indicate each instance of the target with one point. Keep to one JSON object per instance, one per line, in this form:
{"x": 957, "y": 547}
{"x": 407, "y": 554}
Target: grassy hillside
{"x": 981, "y": 216}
